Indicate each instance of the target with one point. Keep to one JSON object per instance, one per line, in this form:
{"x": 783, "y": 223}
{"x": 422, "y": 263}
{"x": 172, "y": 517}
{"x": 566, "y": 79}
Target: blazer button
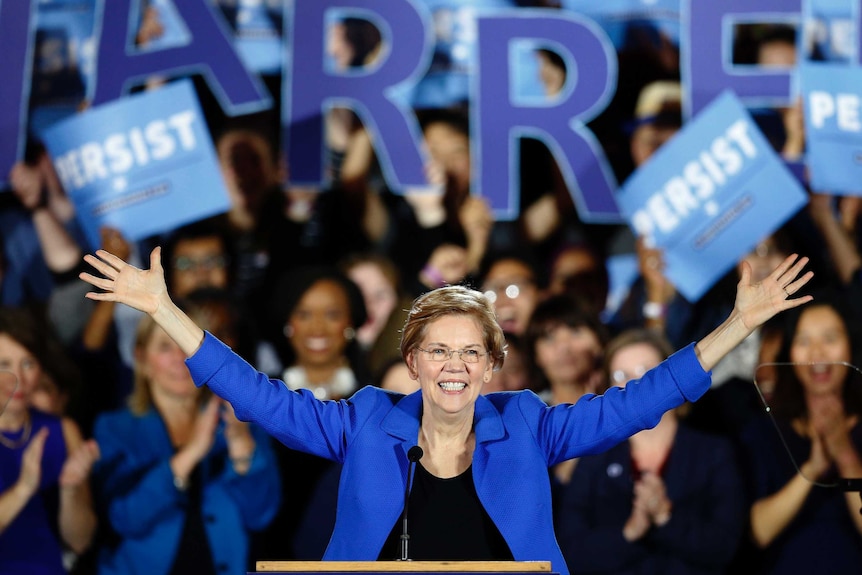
{"x": 209, "y": 518}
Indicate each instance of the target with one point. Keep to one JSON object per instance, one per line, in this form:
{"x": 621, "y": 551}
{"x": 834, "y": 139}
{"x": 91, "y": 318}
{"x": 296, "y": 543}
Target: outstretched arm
{"x": 755, "y": 303}
{"x": 144, "y": 290}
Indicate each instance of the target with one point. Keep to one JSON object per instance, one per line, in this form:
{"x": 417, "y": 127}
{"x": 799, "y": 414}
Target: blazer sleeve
{"x": 598, "y": 422}
{"x": 295, "y": 418}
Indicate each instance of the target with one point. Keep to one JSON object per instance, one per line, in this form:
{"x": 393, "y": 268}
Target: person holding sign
{"x": 452, "y": 344}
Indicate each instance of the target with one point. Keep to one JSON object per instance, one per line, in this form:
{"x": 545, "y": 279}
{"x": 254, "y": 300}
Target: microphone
{"x": 414, "y": 454}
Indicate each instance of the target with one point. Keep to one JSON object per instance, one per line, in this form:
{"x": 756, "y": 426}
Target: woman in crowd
{"x": 45, "y": 503}
{"x": 817, "y": 404}
{"x": 182, "y": 482}
{"x": 669, "y": 500}
{"x": 473, "y": 444}
{"x": 565, "y": 342}
{"x": 385, "y": 305}
{"x": 319, "y": 311}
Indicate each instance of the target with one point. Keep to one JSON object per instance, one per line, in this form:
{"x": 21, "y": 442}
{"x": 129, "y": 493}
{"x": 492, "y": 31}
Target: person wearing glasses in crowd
{"x": 463, "y": 502}
{"x": 511, "y": 285}
{"x": 668, "y": 500}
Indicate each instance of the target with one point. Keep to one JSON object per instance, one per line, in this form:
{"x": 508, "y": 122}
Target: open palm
{"x": 757, "y": 302}
{"x": 144, "y": 290}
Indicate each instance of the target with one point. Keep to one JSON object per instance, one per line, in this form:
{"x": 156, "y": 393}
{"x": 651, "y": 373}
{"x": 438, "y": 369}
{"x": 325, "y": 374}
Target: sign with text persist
{"x": 833, "y": 126}
{"x": 144, "y": 164}
{"x": 709, "y": 195}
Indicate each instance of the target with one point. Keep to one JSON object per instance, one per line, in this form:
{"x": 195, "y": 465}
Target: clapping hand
{"x": 31, "y": 463}
{"x": 78, "y": 464}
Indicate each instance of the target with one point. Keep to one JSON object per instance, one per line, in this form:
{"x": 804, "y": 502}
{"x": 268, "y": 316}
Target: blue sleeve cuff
{"x": 688, "y": 373}
{"x": 207, "y": 359}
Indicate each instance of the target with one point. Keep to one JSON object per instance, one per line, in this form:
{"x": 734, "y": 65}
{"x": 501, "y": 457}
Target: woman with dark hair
{"x": 817, "y": 405}
{"x": 45, "y": 503}
{"x": 317, "y": 311}
{"x": 565, "y": 342}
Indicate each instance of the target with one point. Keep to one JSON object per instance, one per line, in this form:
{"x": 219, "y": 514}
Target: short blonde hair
{"x": 448, "y": 301}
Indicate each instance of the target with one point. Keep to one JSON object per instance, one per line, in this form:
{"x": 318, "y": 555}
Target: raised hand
{"x": 757, "y": 302}
{"x": 144, "y": 290}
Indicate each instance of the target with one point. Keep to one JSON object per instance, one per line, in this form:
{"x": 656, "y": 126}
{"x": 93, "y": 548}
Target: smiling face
{"x": 568, "y": 355}
{"x": 511, "y": 287}
{"x": 820, "y": 340}
{"x": 16, "y": 359}
{"x": 317, "y": 325}
{"x": 451, "y": 387}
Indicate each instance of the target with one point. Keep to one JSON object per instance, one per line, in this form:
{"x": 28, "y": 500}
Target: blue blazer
{"x": 134, "y": 489}
{"x": 517, "y": 438}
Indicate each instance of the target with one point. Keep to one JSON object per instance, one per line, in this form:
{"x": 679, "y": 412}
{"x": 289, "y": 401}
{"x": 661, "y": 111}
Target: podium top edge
{"x": 405, "y": 566}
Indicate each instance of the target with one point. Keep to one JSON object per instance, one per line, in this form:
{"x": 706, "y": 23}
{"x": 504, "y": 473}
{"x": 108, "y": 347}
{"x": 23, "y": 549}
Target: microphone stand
{"x": 413, "y": 455}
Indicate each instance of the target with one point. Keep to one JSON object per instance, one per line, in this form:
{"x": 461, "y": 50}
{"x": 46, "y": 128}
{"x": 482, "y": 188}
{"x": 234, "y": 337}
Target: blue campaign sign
{"x": 144, "y": 164}
{"x": 710, "y": 194}
{"x": 828, "y": 31}
{"x": 623, "y": 19}
{"x": 257, "y": 26}
{"x": 833, "y": 126}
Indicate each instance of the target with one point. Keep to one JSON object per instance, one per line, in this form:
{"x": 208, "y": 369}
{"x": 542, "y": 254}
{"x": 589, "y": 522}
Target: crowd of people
{"x": 114, "y": 458}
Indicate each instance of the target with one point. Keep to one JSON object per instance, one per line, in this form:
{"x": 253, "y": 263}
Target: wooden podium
{"x": 394, "y": 567}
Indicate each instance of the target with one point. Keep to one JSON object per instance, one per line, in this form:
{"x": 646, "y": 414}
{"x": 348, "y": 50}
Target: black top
{"x": 193, "y": 553}
{"x": 446, "y": 522}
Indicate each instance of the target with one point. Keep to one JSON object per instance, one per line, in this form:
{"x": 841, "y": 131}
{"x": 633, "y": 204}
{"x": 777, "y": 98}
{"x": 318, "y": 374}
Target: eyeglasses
{"x": 186, "y": 263}
{"x": 510, "y": 290}
{"x": 620, "y": 376}
{"x": 445, "y": 354}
